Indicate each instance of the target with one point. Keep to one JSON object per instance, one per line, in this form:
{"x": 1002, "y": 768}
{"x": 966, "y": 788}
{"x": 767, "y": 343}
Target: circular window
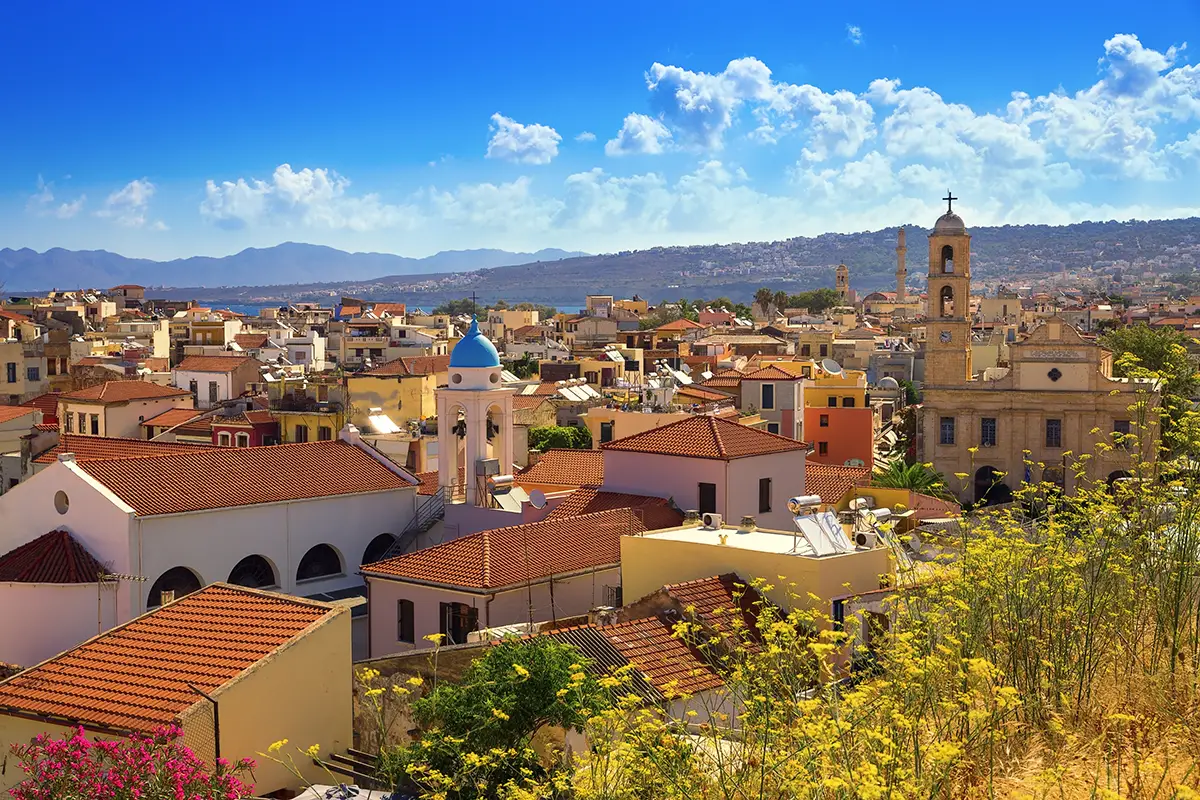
{"x": 62, "y": 502}
{"x": 494, "y": 377}
{"x": 456, "y": 378}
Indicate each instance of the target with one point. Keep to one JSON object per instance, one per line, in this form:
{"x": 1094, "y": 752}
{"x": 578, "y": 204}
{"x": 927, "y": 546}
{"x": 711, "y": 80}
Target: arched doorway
{"x": 1113, "y": 477}
{"x": 377, "y": 548}
{"x": 990, "y": 489}
{"x": 321, "y": 561}
{"x": 254, "y": 572}
{"x": 179, "y": 580}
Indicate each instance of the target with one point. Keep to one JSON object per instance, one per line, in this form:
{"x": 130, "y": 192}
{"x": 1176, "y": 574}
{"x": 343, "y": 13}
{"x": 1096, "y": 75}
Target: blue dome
{"x": 474, "y": 350}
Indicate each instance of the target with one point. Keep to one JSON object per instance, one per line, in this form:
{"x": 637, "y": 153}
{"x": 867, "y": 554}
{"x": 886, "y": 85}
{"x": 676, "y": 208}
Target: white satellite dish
{"x": 831, "y": 366}
{"x": 537, "y": 498}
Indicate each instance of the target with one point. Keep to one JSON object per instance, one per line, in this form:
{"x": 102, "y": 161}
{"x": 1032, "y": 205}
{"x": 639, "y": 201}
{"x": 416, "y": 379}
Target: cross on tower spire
{"x": 949, "y": 198}
{"x": 473, "y": 310}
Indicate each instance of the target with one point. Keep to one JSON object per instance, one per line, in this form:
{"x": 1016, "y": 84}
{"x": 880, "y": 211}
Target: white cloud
{"x": 128, "y": 206}
{"x": 316, "y": 198}
{"x": 526, "y": 144}
{"x": 41, "y": 202}
{"x": 854, "y": 34}
{"x": 586, "y": 136}
{"x": 639, "y": 134}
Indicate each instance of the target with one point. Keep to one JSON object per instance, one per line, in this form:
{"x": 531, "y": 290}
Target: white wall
{"x": 51, "y": 618}
{"x": 786, "y": 471}
{"x": 183, "y": 380}
{"x": 664, "y": 476}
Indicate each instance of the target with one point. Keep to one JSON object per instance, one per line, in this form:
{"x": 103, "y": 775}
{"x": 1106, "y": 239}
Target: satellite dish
{"x": 831, "y": 366}
{"x": 537, "y": 498}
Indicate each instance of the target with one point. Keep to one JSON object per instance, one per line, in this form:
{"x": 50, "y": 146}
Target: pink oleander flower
{"x": 155, "y": 766}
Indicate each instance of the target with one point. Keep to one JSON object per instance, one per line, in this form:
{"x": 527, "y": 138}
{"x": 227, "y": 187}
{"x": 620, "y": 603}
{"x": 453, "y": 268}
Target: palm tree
{"x": 914, "y": 477}
{"x": 763, "y": 298}
{"x": 780, "y": 299}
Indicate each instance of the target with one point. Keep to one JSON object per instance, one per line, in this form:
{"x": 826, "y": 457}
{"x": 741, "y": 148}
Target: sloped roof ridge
{"x": 210, "y": 449}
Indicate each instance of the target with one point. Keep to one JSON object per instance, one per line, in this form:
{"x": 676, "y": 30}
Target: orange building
{"x": 840, "y": 436}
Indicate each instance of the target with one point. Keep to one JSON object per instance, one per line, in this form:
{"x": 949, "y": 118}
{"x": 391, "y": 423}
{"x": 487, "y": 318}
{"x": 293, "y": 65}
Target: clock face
{"x": 944, "y": 336}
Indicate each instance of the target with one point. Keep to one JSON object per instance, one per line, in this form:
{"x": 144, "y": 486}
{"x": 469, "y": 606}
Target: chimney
{"x": 66, "y": 458}
{"x": 534, "y": 457}
{"x": 602, "y": 616}
{"x": 167, "y": 596}
{"x": 691, "y": 517}
{"x": 349, "y": 434}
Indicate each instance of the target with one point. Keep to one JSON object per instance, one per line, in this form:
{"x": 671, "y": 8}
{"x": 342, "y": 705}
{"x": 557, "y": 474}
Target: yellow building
{"x": 814, "y": 343}
{"x": 609, "y": 424}
{"x": 276, "y": 667}
{"x": 401, "y": 398}
{"x": 823, "y": 389}
{"x": 1056, "y": 401}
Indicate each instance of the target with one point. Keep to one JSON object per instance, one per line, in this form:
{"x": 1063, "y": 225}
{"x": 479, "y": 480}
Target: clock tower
{"x": 948, "y": 305}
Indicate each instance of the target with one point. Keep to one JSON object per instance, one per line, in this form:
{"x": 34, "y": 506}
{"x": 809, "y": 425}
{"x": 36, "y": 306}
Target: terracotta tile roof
{"x": 667, "y": 662}
{"x": 46, "y": 427}
{"x": 55, "y": 557}
{"x": 4, "y": 314}
{"x": 428, "y": 482}
{"x": 46, "y": 403}
{"x": 712, "y": 599}
{"x": 411, "y": 365}
{"x": 183, "y": 417}
{"x": 9, "y": 413}
{"x": 525, "y": 402}
{"x": 212, "y": 363}
{"x": 565, "y": 468}
{"x": 832, "y": 481}
{"x": 211, "y": 478}
{"x": 545, "y": 390}
{"x": 705, "y": 437}
{"x": 723, "y": 382}
{"x": 680, "y": 325}
{"x": 394, "y": 309}
{"x": 252, "y": 341}
{"x": 247, "y": 420}
{"x": 699, "y": 394}
{"x": 589, "y": 500}
{"x": 136, "y": 676}
{"x": 771, "y": 373}
{"x": 123, "y": 392}
{"x": 506, "y": 556}
{"x": 103, "y": 448}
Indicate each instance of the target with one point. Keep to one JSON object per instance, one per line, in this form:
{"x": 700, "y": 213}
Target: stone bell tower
{"x": 901, "y": 267}
{"x": 842, "y": 282}
{"x": 948, "y": 307}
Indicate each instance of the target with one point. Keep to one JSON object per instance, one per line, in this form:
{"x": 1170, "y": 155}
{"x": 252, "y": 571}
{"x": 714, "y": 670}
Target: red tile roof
{"x": 705, "y": 437}
{"x": 831, "y": 481}
{"x": 394, "y": 309}
{"x": 697, "y": 394}
{"x": 771, "y": 373}
{"x": 723, "y": 382}
{"x": 668, "y": 663}
{"x": 712, "y": 600}
{"x": 103, "y": 448}
{"x": 509, "y": 556}
{"x": 184, "y": 417}
{"x": 524, "y": 402}
{"x": 136, "y": 676}
{"x": 565, "y": 468}
{"x": 589, "y": 500}
{"x": 411, "y": 365}
{"x": 243, "y": 476}
{"x": 9, "y": 413}
{"x": 123, "y": 392}
{"x": 251, "y": 341}
{"x": 246, "y": 420}
{"x": 544, "y": 390}
{"x": 212, "y": 363}
{"x": 55, "y": 557}
{"x": 46, "y": 427}
{"x": 680, "y": 325}
{"x": 46, "y": 403}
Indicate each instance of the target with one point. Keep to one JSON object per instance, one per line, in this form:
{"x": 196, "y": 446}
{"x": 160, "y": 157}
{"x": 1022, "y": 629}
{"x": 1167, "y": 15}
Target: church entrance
{"x": 990, "y": 489}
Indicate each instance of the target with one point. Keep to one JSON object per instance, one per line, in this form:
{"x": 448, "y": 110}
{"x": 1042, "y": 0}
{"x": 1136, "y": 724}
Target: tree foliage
{"x": 919, "y": 478}
{"x": 547, "y": 437}
{"x": 1140, "y": 351}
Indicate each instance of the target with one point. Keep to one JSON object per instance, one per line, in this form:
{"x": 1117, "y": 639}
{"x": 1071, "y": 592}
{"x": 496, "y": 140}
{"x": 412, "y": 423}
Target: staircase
{"x": 431, "y": 511}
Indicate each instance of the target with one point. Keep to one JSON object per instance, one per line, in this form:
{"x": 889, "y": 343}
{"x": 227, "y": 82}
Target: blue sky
{"x": 159, "y": 131}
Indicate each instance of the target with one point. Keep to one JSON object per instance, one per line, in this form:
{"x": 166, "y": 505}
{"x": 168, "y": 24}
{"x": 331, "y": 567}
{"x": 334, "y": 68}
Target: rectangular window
{"x": 768, "y": 395}
{"x": 301, "y": 433}
{"x": 832, "y": 402}
{"x": 987, "y": 431}
{"x": 62, "y": 366}
{"x": 212, "y": 392}
{"x": 11, "y": 369}
{"x": 606, "y": 432}
{"x": 806, "y": 350}
{"x": 824, "y": 421}
{"x": 82, "y": 422}
{"x": 324, "y": 433}
{"x": 947, "y": 430}
{"x": 33, "y": 374}
{"x": 1121, "y": 426}
{"x": 68, "y": 424}
{"x": 847, "y": 402}
{"x": 708, "y": 498}
{"x": 242, "y": 440}
{"x": 95, "y": 425}
{"x": 822, "y": 448}
{"x": 405, "y": 629}
{"x": 1054, "y": 433}
{"x": 194, "y": 388}
{"x": 51, "y": 367}
{"x": 839, "y": 614}
{"x": 764, "y": 495}
{"x": 457, "y": 620}
{"x": 824, "y": 351}
{"x": 773, "y": 427}
{"x": 223, "y": 438}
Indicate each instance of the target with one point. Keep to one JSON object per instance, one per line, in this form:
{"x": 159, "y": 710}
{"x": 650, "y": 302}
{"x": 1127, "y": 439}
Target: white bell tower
{"x": 474, "y": 401}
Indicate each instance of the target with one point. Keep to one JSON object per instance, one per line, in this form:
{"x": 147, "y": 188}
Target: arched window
{"x": 223, "y": 438}
{"x": 378, "y": 546}
{"x": 947, "y": 259}
{"x": 319, "y": 562}
{"x": 179, "y": 580}
{"x": 946, "y": 302}
{"x": 242, "y": 439}
{"x": 990, "y": 488}
{"x": 254, "y": 572}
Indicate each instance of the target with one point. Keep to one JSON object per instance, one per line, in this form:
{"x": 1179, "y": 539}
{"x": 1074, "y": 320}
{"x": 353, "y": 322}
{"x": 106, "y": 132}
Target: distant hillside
{"x": 1010, "y": 253}
{"x": 26, "y": 270}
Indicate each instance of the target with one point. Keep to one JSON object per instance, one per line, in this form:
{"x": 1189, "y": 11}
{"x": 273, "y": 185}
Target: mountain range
{"x": 287, "y": 263}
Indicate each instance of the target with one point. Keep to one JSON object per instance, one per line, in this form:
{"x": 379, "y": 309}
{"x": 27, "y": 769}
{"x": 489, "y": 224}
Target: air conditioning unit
{"x": 865, "y": 539}
{"x": 711, "y": 521}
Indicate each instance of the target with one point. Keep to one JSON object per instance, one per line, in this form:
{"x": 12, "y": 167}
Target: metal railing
{"x": 431, "y": 511}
